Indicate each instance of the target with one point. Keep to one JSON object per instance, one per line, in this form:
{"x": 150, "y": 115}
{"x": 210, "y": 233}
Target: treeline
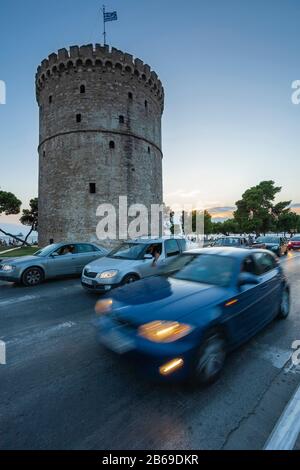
{"x": 256, "y": 213}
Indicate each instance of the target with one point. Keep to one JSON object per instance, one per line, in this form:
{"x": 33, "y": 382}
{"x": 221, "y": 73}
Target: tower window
{"x": 130, "y": 95}
{"x": 50, "y": 99}
{"x": 78, "y": 117}
{"x": 149, "y": 150}
{"x": 146, "y": 104}
{"x": 92, "y": 188}
{"x": 121, "y": 119}
{"x": 44, "y": 153}
{"x": 111, "y": 144}
{"x": 82, "y": 89}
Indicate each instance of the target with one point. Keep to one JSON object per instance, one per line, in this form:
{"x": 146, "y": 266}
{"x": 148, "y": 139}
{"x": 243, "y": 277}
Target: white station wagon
{"x": 131, "y": 261}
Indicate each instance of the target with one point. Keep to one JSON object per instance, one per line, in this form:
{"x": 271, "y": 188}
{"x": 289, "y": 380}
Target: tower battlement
{"x": 102, "y": 58}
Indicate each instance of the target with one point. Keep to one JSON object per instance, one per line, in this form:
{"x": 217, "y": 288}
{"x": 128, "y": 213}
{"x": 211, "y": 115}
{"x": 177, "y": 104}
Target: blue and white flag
{"x": 112, "y": 16}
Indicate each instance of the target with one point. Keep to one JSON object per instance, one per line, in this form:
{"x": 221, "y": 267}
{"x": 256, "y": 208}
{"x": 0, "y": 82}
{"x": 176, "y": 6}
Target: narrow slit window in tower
{"x": 121, "y": 119}
{"x": 82, "y": 89}
{"x": 78, "y": 117}
{"x": 130, "y": 95}
{"x": 92, "y": 188}
{"x": 50, "y": 99}
{"x": 111, "y": 144}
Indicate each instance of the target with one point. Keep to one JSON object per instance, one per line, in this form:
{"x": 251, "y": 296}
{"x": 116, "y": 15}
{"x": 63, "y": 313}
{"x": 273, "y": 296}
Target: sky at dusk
{"x": 227, "y": 68}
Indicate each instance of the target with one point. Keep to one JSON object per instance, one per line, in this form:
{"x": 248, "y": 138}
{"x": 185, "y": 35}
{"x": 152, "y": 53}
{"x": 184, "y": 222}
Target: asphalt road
{"x": 61, "y": 390}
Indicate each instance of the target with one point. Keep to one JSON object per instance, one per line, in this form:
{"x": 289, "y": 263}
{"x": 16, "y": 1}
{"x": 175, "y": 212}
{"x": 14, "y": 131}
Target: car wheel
{"x": 285, "y": 304}
{"x": 129, "y": 279}
{"x": 210, "y": 359}
{"x": 32, "y": 277}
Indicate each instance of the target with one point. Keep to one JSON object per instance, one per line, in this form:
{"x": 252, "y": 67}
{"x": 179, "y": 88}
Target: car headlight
{"x": 103, "y": 306}
{"x": 8, "y": 267}
{"x": 107, "y": 274}
{"x": 164, "y": 331}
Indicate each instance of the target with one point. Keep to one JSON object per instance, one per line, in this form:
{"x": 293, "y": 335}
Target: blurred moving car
{"x": 294, "y": 243}
{"x": 130, "y": 262}
{"x": 57, "y": 260}
{"x": 182, "y": 324}
{"x": 278, "y": 245}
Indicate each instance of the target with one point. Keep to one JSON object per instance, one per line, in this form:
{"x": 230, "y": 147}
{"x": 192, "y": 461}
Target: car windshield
{"x": 130, "y": 251}
{"x": 227, "y": 242}
{"x": 267, "y": 240}
{"x": 208, "y": 269}
{"x": 46, "y": 251}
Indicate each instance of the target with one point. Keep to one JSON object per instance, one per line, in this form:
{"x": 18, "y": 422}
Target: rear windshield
{"x": 268, "y": 239}
{"x": 228, "y": 242}
{"x": 208, "y": 269}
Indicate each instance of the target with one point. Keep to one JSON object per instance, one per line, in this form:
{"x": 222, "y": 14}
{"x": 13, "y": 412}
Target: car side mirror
{"x": 247, "y": 278}
{"x": 54, "y": 255}
{"x": 148, "y": 256}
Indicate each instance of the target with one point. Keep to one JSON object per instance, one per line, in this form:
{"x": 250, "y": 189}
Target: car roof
{"x": 74, "y": 243}
{"x": 150, "y": 240}
{"x": 60, "y": 244}
{"x": 225, "y": 237}
{"x": 226, "y": 251}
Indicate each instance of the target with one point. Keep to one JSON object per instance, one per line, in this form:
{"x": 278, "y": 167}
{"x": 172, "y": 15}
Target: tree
{"x": 256, "y": 211}
{"x": 9, "y": 205}
{"x": 230, "y": 226}
{"x": 226, "y": 227}
{"x": 288, "y": 222}
{"x": 191, "y": 220}
{"x": 30, "y": 217}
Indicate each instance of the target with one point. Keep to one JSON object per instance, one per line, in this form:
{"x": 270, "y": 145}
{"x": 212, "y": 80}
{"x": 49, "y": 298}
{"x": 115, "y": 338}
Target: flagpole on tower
{"x": 104, "y": 27}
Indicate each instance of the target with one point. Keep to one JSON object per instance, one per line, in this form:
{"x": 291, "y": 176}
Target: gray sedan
{"x": 58, "y": 260}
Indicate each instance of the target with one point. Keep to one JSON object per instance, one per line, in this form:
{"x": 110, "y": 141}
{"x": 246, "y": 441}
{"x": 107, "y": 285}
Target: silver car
{"x": 130, "y": 262}
{"x": 57, "y": 260}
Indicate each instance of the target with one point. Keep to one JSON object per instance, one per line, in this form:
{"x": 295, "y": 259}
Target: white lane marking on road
{"x": 25, "y": 298}
{"x": 287, "y": 429}
{"x": 16, "y": 300}
{"x": 41, "y": 334}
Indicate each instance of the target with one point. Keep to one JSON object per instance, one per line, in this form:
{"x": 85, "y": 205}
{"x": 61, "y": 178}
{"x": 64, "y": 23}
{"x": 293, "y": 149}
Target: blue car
{"x": 181, "y": 324}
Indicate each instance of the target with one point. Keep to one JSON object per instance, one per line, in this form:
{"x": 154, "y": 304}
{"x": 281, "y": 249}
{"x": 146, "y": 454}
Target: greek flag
{"x": 112, "y": 16}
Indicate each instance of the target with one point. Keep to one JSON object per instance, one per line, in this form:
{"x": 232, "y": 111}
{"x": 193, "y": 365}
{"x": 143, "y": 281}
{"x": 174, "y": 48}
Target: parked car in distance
{"x": 278, "y": 245}
{"x": 57, "y": 260}
{"x": 181, "y": 325}
{"x": 235, "y": 242}
{"x": 131, "y": 261}
{"x": 294, "y": 243}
